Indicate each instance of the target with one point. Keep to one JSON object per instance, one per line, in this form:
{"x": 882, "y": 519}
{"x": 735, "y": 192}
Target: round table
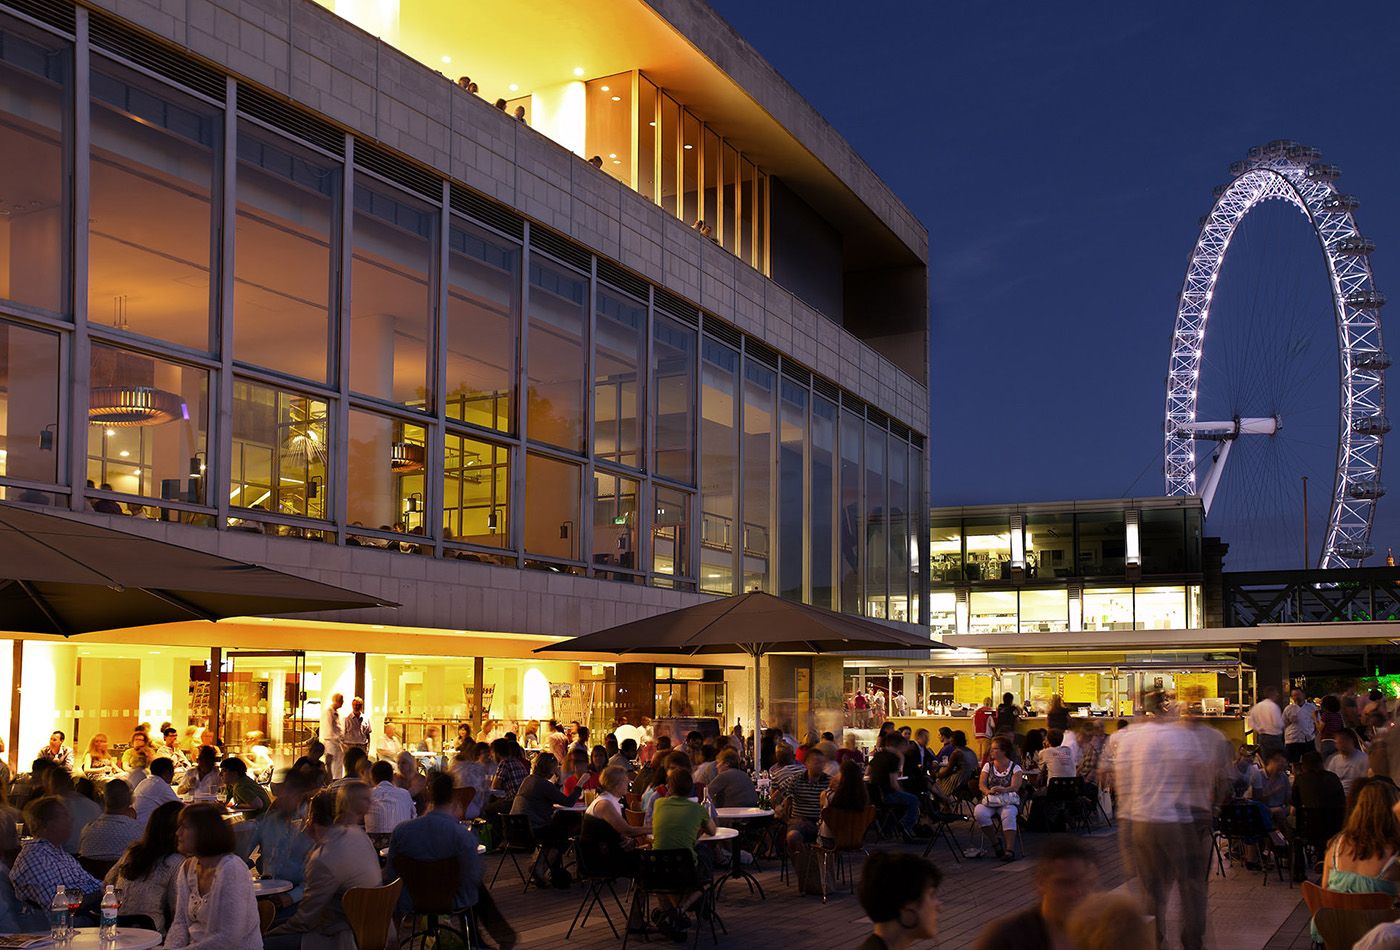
{"x": 736, "y": 867}
{"x": 740, "y": 814}
{"x": 578, "y": 807}
{"x": 267, "y": 886}
{"x": 128, "y": 938}
{"x": 721, "y": 834}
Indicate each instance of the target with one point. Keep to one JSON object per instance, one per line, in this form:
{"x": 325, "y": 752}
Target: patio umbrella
{"x": 754, "y": 623}
{"x": 61, "y": 575}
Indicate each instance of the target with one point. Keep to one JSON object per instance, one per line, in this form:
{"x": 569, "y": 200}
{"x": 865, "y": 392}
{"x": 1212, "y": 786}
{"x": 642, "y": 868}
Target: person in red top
{"x": 581, "y": 774}
{"x": 983, "y": 719}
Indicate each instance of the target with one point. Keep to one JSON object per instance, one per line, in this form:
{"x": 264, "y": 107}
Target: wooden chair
{"x": 370, "y": 911}
{"x": 97, "y": 867}
{"x": 432, "y": 890}
{"x": 266, "y": 911}
{"x": 848, "y": 830}
{"x": 1342, "y": 919}
{"x": 463, "y": 797}
{"x": 635, "y": 817}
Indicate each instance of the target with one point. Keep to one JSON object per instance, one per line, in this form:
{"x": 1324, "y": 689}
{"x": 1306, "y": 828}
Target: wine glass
{"x": 75, "y": 901}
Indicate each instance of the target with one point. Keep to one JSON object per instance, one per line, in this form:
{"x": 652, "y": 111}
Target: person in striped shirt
{"x": 805, "y": 790}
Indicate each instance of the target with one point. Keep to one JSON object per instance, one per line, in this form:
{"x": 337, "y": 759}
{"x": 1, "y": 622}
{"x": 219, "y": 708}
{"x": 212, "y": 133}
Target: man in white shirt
{"x": 106, "y": 837}
{"x": 1348, "y": 763}
{"x": 1056, "y": 760}
{"x": 1265, "y": 720}
{"x": 389, "y": 746}
{"x": 1299, "y": 726}
{"x": 356, "y": 731}
{"x": 332, "y": 731}
{"x": 155, "y": 790}
{"x": 389, "y": 805}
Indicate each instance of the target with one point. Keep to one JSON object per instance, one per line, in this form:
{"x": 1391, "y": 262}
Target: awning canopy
{"x": 65, "y": 576}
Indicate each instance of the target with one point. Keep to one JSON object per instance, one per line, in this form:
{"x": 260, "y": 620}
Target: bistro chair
{"x": 519, "y": 838}
{"x": 370, "y": 910}
{"x": 848, "y": 830}
{"x": 1063, "y": 803}
{"x": 266, "y": 911}
{"x": 593, "y": 870}
{"x": 463, "y": 797}
{"x": 1312, "y": 829}
{"x": 432, "y": 892}
{"x": 1242, "y": 823}
{"x": 97, "y": 867}
{"x": 1342, "y": 919}
{"x": 671, "y": 871}
{"x": 635, "y": 816}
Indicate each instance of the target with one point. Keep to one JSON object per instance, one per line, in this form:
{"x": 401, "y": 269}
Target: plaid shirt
{"x": 42, "y": 868}
{"x": 510, "y": 772}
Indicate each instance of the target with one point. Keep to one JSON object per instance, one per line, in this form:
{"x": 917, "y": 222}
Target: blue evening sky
{"x": 1060, "y": 155}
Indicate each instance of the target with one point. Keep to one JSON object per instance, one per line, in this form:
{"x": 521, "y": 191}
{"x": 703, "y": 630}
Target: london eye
{"x": 1258, "y": 386}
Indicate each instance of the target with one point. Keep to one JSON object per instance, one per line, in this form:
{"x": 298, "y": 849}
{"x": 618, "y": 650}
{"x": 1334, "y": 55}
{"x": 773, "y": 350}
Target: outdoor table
{"x": 267, "y": 886}
{"x": 721, "y": 834}
{"x": 128, "y": 938}
{"x": 736, "y": 869}
{"x": 578, "y": 807}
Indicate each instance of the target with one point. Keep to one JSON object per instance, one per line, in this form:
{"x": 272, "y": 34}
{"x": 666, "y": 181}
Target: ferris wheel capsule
{"x": 1367, "y": 489}
{"x": 1303, "y": 153}
{"x": 1355, "y": 550}
{"x": 1371, "y": 425}
{"x": 1341, "y": 203}
{"x": 1365, "y": 300}
{"x": 1354, "y": 246}
{"x": 1373, "y": 360}
{"x": 1320, "y": 171}
{"x": 1238, "y": 168}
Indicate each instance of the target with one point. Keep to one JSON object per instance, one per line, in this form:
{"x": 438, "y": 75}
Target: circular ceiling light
{"x": 130, "y": 406}
{"x": 406, "y": 457}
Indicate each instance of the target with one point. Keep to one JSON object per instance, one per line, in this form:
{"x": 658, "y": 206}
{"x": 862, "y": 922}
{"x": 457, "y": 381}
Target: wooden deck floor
{"x": 1256, "y": 916}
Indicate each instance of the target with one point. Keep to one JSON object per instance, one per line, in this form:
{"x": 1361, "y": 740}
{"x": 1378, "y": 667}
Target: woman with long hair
{"x": 214, "y": 898}
{"x": 98, "y": 762}
{"x": 146, "y": 872}
{"x": 1371, "y": 836}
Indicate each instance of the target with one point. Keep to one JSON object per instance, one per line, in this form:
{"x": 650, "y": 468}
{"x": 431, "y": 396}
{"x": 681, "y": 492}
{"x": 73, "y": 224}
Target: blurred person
{"x": 109, "y": 834}
{"x": 1066, "y": 873}
{"x": 332, "y": 735}
{"x": 145, "y": 873}
{"x": 899, "y": 893}
{"x": 355, "y": 730}
{"x": 389, "y": 745}
{"x": 140, "y": 744}
{"x": 98, "y": 762}
{"x": 240, "y": 791}
{"x": 281, "y": 840}
{"x": 155, "y": 790}
{"x": 390, "y": 806}
{"x": 1265, "y": 721}
{"x": 81, "y": 809}
{"x": 1111, "y": 922}
{"x": 204, "y": 776}
{"x": 214, "y": 901}
{"x": 1299, "y": 726}
{"x": 1349, "y": 762}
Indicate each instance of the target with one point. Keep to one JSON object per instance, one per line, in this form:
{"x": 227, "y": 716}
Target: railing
{"x": 1319, "y": 596}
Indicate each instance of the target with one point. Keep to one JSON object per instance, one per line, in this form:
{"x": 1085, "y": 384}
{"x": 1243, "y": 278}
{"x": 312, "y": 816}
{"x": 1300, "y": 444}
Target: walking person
{"x": 1265, "y": 721}
{"x": 1299, "y": 726}
{"x": 333, "y": 736}
{"x": 1169, "y": 774}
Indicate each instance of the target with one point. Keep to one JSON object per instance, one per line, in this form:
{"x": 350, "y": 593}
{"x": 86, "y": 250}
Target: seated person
{"x": 81, "y": 808}
{"x": 155, "y": 789}
{"x": 214, "y": 901}
{"x": 605, "y": 828}
{"x": 581, "y": 775}
{"x": 243, "y": 793}
{"x": 899, "y": 893}
{"x": 201, "y": 779}
{"x": 107, "y": 836}
{"x": 536, "y": 799}
{"x": 847, "y": 794}
{"x": 140, "y": 742}
{"x": 281, "y": 841}
{"x": 955, "y": 772}
{"x": 731, "y": 787}
{"x": 44, "y": 863}
{"x": 626, "y": 756}
{"x": 805, "y": 793}
{"x": 438, "y": 834}
{"x": 1056, "y": 760}
{"x": 1000, "y": 785}
{"x": 145, "y": 874}
{"x": 390, "y": 806}
{"x": 99, "y": 762}
{"x": 677, "y": 824}
{"x": 885, "y": 767}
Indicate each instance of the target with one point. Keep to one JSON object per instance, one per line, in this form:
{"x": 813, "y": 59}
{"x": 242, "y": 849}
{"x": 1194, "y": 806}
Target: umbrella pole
{"x": 754, "y": 727}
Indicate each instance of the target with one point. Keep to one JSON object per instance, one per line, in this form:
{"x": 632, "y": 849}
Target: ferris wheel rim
{"x": 1293, "y": 173}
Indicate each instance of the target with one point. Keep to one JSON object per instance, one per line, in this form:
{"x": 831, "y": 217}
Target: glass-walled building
{"x": 312, "y": 302}
{"x": 1131, "y": 564}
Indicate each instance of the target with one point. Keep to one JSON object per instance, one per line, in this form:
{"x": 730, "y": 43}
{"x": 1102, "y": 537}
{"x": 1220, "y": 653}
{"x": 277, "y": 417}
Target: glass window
{"x": 151, "y": 221}
{"x": 391, "y": 299}
{"x": 1160, "y": 608}
{"x": 670, "y": 151}
{"x": 673, "y": 399}
{"x": 285, "y": 261}
{"x": 945, "y": 551}
{"x": 760, "y": 250}
{"x": 28, "y": 403}
{"x": 897, "y": 524}
{"x": 552, "y": 526}
{"x": 992, "y": 611}
{"x": 1102, "y": 543}
{"x": 988, "y": 541}
{"x": 608, "y": 126}
{"x": 646, "y": 137}
{"x": 1162, "y": 534}
{"x": 1049, "y": 545}
{"x": 388, "y": 458}
{"x": 943, "y": 612}
{"x": 670, "y": 533}
{"x": 1109, "y": 608}
{"x": 619, "y": 347}
{"x": 483, "y": 291}
{"x": 918, "y": 535}
{"x": 850, "y": 513}
{"x": 1193, "y": 540}
{"x": 278, "y": 458}
{"x": 875, "y": 523}
{"x": 792, "y": 495}
{"x": 558, "y": 320}
{"x": 730, "y": 177}
{"x": 710, "y": 181}
{"x": 1044, "y": 611}
{"x": 36, "y": 77}
{"x": 823, "y": 502}
{"x": 719, "y": 465}
{"x": 690, "y": 168}
{"x": 476, "y": 492}
{"x": 760, "y": 384}
{"x": 746, "y": 216}
{"x": 615, "y": 523}
{"x": 147, "y": 426}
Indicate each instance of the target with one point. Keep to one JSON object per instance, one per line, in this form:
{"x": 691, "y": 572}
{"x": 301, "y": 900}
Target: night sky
{"x": 1060, "y": 155}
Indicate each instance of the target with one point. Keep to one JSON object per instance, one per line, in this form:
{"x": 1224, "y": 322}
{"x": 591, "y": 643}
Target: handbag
{"x": 782, "y": 811}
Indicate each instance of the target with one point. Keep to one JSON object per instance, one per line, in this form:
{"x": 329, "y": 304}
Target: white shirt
{"x": 153, "y": 792}
{"x": 1165, "y": 772}
{"x": 1071, "y": 742}
{"x": 1349, "y": 768}
{"x": 389, "y": 807}
{"x": 332, "y": 727}
{"x": 1300, "y": 722}
{"x": 1264, "y": 718}
{"x": 1056, "y": 762}
{"x": 389, "y": 747}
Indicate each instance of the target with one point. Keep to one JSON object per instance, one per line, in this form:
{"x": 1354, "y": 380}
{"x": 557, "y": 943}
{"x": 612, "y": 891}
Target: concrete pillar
{"x": 1271, "y": 665}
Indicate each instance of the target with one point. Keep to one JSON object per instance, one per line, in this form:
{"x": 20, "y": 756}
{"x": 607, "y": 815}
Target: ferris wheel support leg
{"x": 1213, "y": 476}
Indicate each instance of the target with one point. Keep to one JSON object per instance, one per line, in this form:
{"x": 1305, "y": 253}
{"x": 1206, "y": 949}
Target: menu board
{"x": 1081, "y": 688}
{"x": 971, "y": 690}
{"x": 1193, "y": 687}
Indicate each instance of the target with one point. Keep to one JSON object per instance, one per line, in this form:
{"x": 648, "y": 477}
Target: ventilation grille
{"x": 619, "y": 278}
{"x": 389, "y": 166}
{"x": 899, "y": 429}
{"x": 289, "y": 119}
{"x": 876, "y": 416}
{"x": 487, "y": 212}
{"x": 718, "y": 329}
{"x": 795, "y": 372}
{"x": 110, "y": 36}
{"x": 764, "y": 354}
{"x": 555, "y": 246}
{"x": 684, "y": 310}
{"x": 916, "y": 440}
{"x": 54, "y": 13}
{"x": 829, "y": 390}
{"x": 853, "y": 403}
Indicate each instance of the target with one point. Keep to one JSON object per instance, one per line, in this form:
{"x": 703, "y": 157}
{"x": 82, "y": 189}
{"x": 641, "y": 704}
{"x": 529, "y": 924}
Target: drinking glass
{"x": 75, "y": 901}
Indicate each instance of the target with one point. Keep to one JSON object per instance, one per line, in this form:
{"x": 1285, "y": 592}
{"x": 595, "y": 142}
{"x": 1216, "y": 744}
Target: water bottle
{"x": 58, "y": 915}
{"x": 107, "y": 932}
